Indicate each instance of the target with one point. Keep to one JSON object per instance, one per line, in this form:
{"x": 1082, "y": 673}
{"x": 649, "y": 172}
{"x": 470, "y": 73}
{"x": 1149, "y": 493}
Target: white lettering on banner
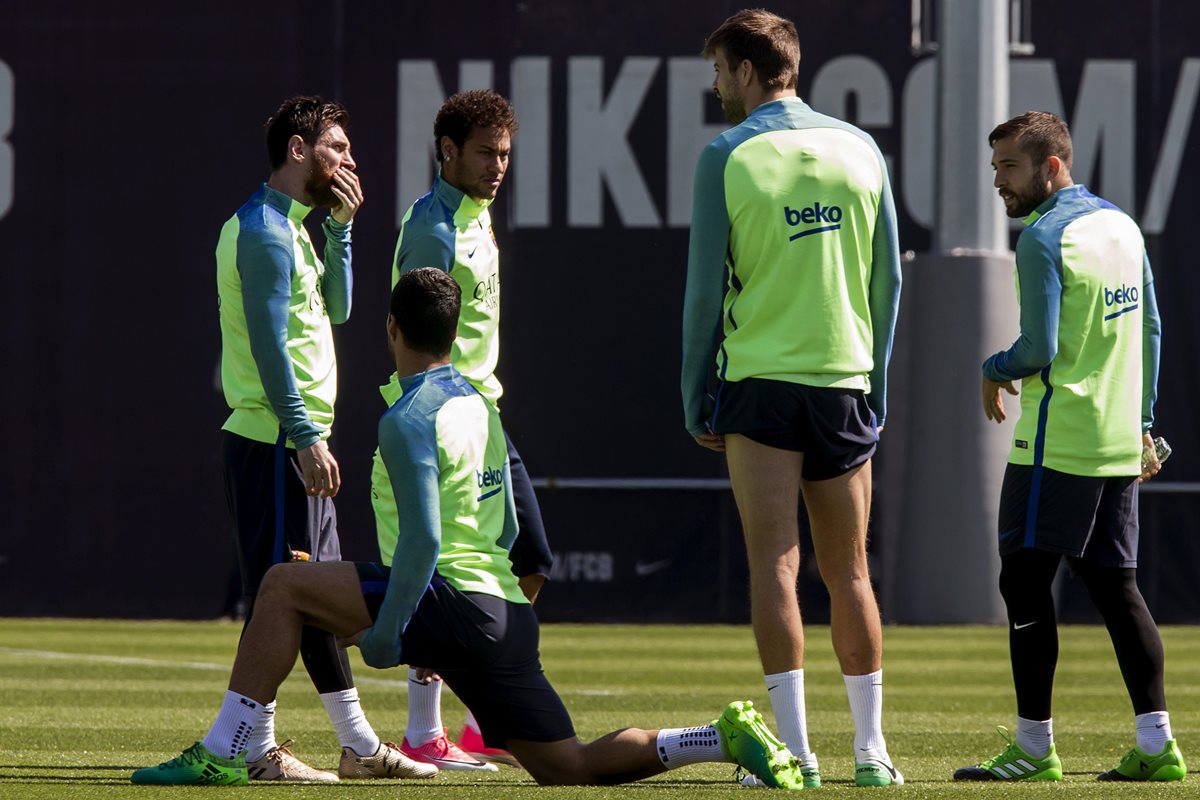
{"x": 582, "y": 567}
{"x": 600, "y": 158}
{"x": 7, "y": 158}
{"x": 598, "y": 151}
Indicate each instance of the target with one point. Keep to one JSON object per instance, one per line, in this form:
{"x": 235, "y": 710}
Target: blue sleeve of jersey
{"x": 412, "y": 464}
{"x": 708, "y": 245}
{"x": 338, "y": 281}
{"x": 511, "y": 529}
{"x": 1039, "y": 274}
{"x": 266, "y": 266}
{"x": 884, "y": 297}
{"x": 1151, "y": 341}
{"x": 433, "y": 248}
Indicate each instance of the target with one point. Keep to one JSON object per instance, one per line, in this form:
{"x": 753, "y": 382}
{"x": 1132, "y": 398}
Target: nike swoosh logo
{"x": 1160, "y": 724}
{"x": 472, "y": 253}
{"x": 1017, "y": 627}
{"x": 642, "y": 568}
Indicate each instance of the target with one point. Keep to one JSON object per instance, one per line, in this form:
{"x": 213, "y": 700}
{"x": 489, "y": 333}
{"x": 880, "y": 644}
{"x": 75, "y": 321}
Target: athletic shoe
{"x": 808, "y": 770}
{"x": 445, "y": 754}
{"x": 1137, "y": 765}
{"x": 877, "y": 772}
{"x": 195, "y": 766}
{"x": 278, "y": 764}
{"x": 746, "y": 739}
{"x": 471, "y": 741}
{"x": 1014, "y": 764}
{"x": 388, "y": 762}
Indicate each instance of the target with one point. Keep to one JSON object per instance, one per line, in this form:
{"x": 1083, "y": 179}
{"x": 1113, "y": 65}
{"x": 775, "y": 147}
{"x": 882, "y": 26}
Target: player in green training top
{"x": 450, "y": 227}
{"x": 795, "y": 207}
{"x": 278, "y": 301}
{"x": 452, "y": 603}
{"x": 1087, "y": 359}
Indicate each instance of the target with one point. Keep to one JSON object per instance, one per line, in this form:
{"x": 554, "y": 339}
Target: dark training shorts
{"x": 486, "y": 650}
{"x": 1093, "y": 519}
{"x": 272, "y": 513}
{"x": 834, "y": 428}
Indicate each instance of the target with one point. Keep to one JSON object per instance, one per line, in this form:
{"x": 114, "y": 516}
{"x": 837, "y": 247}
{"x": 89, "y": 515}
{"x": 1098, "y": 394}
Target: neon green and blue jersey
{"x": 449, "y": 230}
{"x": 1088, "y": 352}
{"x": 278, "y": 300}
{"x": 447, "y": 460}
{"x": 793, "y": 250}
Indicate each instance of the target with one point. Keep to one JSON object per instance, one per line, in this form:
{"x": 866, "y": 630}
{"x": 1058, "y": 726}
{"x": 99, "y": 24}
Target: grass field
{"x": 84, "y": 702}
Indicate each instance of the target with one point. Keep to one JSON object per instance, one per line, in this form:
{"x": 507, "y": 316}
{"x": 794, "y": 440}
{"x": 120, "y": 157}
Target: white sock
{"x": 1035, "y": 736}
{"x": 424, "y": 710}
{"x": 786, "y": 690}
{"x": 678, "y": 747}
{"x": 1153, "y": 730}
{"x": 472, "y": 723}
{"x": 866, "y": 707}
{"x": 348, "y": 719}
{"x": 234, "y": 723}
{"x": 262, "y": 739}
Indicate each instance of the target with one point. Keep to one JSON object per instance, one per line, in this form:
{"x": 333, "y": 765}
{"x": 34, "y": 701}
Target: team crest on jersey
{"x": 492, "y": 233}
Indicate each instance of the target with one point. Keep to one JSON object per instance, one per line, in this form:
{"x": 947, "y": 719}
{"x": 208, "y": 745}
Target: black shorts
{"x": 834, "y": 428}
{"x": 486, "y": 650}
{"x": 272, "y": 513}
{"x": 1094, "y": 519}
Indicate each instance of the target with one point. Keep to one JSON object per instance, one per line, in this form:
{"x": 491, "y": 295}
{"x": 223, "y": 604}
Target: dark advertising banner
{"x": 130, "y": 133}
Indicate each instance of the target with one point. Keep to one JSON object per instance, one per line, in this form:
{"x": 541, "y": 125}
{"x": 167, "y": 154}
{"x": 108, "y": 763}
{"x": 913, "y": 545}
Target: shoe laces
{"x": 1003, "y": 756}
{"x": 281, "y": 751}
{"x": 185, "y": 759}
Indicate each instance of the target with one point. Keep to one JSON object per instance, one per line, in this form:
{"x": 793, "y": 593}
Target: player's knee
{"x": 279, "y": 582}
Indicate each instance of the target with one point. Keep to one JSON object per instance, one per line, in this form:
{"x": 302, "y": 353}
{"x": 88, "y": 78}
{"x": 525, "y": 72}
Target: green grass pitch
{"x": 85, "y": 702}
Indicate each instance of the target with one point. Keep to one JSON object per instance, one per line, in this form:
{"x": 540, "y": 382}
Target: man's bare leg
{"x": 325, "y": 595}
{"x": 766, "y": 486}
{"x": 837, "y": 511}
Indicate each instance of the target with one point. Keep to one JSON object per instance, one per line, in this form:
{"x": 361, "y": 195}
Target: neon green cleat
{"x": 1137, "y": 765}
{"x": 747, "y": 740}
{"x": 1014, "y": 764}
{"x": 196, "y": 766}
{"x": 810, "y": 772}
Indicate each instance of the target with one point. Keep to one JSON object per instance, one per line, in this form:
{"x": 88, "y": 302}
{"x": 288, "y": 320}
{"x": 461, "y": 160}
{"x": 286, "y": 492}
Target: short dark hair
{"x": 1039, "y": 134}
{"x": 478, "y": 108}
{"x": 304, "y": 115}
{"x": 425, "y": 304}
{"x": 766, "y": 40}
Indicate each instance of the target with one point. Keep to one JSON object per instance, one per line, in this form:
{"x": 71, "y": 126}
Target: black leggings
{"x": 1025, "y": 583}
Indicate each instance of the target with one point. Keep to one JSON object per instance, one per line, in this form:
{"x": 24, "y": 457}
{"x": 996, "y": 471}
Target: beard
{"x": 1026, "y": 200}
{"x": 735, "y": 113}
{"x": 320, "y": 187}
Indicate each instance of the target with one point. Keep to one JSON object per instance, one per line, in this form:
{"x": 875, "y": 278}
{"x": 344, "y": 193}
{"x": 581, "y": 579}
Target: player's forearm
{"x": 338, "y": 282}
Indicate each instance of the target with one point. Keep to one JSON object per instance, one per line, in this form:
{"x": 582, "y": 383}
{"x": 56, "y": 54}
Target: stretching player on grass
{"x": 452, "y": 603}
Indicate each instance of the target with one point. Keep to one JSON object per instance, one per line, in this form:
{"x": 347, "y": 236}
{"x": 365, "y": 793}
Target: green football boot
{"x": 1138, "y": 766}
{"x": 1014, "y": 764}
{"x": 810, "y": 772}
{"x": 196, "y": 766}
{"x": 746, "y": 739}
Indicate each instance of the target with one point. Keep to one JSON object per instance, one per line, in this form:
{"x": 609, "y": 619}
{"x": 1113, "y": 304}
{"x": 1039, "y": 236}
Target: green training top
{"x": 797, "y": 207}
{"x": 453, "y": 232}
{"x": 444, "y": 450}
{"x": 1088, "y": 351}
{"x": 277, "y": 301}
{"x": 449, "y": 230}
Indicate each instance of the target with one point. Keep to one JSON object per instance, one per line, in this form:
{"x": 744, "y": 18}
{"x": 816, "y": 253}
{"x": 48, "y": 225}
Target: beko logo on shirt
{"x": 1126, "y": 297}
{"x": 817, "y": 213}
{"x": 490, "y": 480}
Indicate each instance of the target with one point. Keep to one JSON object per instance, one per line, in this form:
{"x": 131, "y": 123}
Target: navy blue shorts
{"x": 272, "y": 513}
{"x": 1093, "y": 519}
{"x": 486, "y": 650}
{"x": 834, "y": 428}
